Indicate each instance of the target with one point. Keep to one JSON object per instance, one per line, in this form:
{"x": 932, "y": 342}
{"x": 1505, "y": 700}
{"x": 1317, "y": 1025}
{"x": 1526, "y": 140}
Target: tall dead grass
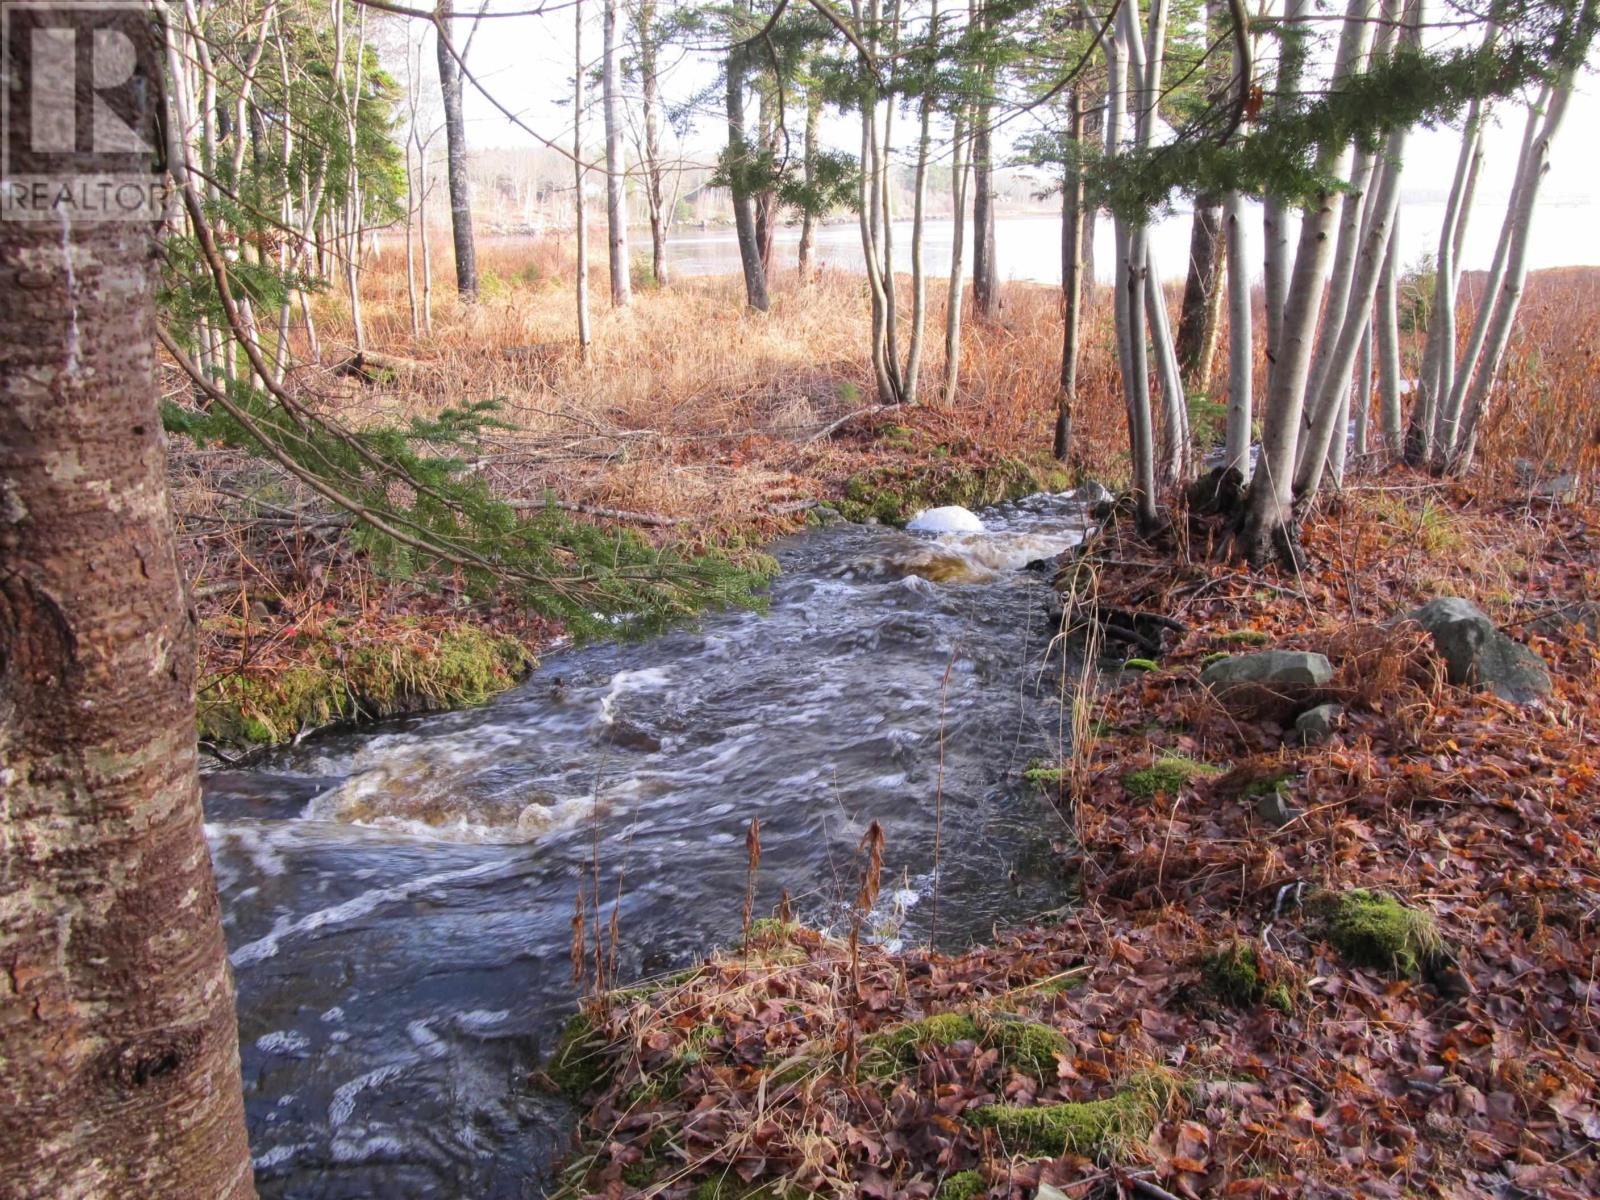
{"x": 691, "y": 407}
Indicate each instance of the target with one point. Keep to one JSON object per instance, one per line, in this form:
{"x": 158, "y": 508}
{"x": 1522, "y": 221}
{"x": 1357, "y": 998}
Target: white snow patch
{"x": 952, "y": 518}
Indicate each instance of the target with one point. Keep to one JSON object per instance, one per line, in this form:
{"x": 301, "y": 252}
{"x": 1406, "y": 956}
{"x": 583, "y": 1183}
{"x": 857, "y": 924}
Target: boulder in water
{"x": 951, "y": 518}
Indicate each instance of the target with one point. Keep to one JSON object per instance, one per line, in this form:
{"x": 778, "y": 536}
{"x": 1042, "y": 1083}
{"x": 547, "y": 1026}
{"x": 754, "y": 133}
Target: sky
{"x": 526, "y": 63}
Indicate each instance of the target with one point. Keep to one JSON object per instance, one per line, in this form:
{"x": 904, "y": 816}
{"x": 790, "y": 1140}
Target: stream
{"x": 398, "y": 900}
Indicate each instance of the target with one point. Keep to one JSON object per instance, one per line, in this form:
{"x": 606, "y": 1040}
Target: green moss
{"x": 1267, "y": 785}
{"x": 1216, "y": 656}
{"x": 963, "y": 1185}
{"x": 1027, "y": 1045}
{"x": 1233, "y": 973}
{"x": 1372, "y": 929}
{"x": 1165, "y": 776}
{"x": 941, "y": 1029}
{"x": 578, "y": 1061}
{"x": 646, "y": 988}
{"x": 1246, "y": 637}
{"x": 1141, "y": 664}
{"x": 893, "y": 494}
{"x": 770, "y": 929}
{"x": 341, "y": 681}
{"x": 728, "y": 1186}
{"x": 639, "y": 1174}
{"x": 1046, "y": 779}
{"x": 1281, "y": 997}
{"x": 1100, "y": 1129}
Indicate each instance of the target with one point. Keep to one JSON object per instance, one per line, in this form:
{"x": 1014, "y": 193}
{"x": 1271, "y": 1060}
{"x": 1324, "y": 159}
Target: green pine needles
{"x": 420, "y": 508}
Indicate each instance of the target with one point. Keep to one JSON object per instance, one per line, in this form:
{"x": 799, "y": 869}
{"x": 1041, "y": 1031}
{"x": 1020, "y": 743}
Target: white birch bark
{"x": 616, "y": 167}
{"x": 1241, "y": 344}
{"x": 1508, "y": 297}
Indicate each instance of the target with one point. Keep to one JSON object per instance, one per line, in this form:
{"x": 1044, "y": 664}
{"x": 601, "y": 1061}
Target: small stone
{"x": 1579, "y": 618}
{"x": 1288, "y": 668}
{"x": 1316, "y": 725}
{"x": 1476, "y": 654}
{"x": 1271, "y": 685}
{"x": 1275, "y": 810}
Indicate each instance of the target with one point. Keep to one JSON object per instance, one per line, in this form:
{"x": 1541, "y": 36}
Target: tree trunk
{"x": 121, "y": 1061}
{"x": 655, "y": 192}
{"x": 1071, "y": 284}
{"x": 919, "y": 281}
{"x": 1275, "y": 250}
{"x": 455, "y": 135}
{"x": 959, "y": 172}
{"x": 808, "y": 219}
{"x": 1477, "y": 377}
{"x": 744, "y": 219}
{"x": 1361, "y": 395}
{"x": 985, "y": 271}
{"x": 580, "y": 205}
{"x": 1267, "y": 527}
{"x": 1386, "y": 312}
{"x": 616, "y": 167}
{"x": 1196, "y": 316}
{"x": 1241, "y": 345}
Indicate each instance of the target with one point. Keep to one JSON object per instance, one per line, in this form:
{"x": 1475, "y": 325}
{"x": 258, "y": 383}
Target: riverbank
{"x": 691, "y": 422}
{"x": 1353, "y": 958}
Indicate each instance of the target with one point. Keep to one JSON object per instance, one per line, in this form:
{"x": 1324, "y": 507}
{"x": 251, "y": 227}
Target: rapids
{"x": 398, "y": 899}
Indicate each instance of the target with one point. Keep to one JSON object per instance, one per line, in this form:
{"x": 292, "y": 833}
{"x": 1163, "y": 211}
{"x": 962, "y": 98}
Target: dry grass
{"x": 689, "y": 406}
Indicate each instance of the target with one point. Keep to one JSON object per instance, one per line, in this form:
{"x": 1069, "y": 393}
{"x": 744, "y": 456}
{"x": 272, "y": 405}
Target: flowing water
{"x": 398, "y": 901}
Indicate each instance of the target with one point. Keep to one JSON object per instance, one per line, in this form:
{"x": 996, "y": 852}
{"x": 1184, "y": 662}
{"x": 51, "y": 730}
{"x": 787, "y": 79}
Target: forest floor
{"x": 691, "y": 421}
{"x": 1362, "y": 967}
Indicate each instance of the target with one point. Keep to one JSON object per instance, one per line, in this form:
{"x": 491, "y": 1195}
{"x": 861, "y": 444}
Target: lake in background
{"x": 1565, "y": 233}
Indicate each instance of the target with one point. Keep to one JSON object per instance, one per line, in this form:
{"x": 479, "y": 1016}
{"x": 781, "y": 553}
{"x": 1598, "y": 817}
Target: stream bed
{"x": 398, "y": 900}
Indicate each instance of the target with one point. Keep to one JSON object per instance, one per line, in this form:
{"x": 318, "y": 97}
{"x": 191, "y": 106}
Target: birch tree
{"x": 616, "y": 165}
{"x": 121, "y": 1056}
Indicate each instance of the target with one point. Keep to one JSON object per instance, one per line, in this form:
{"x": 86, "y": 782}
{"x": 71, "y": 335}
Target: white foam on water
{"x": 425, "y": 1039}
{"x": 951, "y": 518}
{"x": 479, "y": 1019}
{"x": 350, "y": 910}
{"x": 278, "y": 1154}
{"x": 345, "y": 1095}
{"x": 379, "y": 1145}
{"x": 283, "y": 1041}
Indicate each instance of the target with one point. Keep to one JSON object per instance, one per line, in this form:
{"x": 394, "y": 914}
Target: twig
{"x": 829, "y": 428}
{"x": 595, "y": 510}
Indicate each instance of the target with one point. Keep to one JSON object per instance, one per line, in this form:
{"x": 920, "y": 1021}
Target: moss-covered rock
{"x": 345, "y": 679}
{"x": 1373, "y": 929}
{"x": 1235, "y": 974}
{"x": 1165, "y": 776}
{"x": 1099, "y": 1129}
{"x": 899, "y": 1042}
{"x": 1027, "y": 1045}
{"x": 893, "y": 494}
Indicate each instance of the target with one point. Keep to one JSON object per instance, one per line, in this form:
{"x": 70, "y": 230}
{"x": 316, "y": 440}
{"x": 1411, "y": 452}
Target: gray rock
{"x": 1559, "y": 489}
{"x": 1580, "y": 617}
{"x": 1092, "y": 493}
{"x": 1478, "y": 655}
{"x": 1275, "y": 810}
{"x": 1316, "y": 725}
{"x": 1269, "y": 668}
